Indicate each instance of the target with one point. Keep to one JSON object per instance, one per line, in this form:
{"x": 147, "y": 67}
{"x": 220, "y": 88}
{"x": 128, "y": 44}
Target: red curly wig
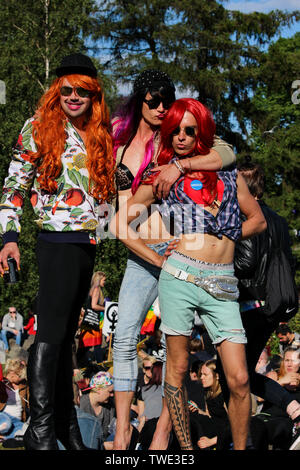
{"x": 49, "y": 135}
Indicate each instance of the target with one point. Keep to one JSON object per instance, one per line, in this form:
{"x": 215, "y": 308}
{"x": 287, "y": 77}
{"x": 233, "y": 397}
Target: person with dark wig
{"x": 64, "y": 154}
{"x": 136, "y": 139}
{"x": 198, "y": 275}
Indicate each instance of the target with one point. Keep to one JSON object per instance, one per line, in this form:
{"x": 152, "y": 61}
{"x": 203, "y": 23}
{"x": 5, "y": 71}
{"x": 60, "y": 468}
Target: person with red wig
{"x": 198, "y": 275}
{"x": 64, "y": 154}
{"x": 136, "y": 136}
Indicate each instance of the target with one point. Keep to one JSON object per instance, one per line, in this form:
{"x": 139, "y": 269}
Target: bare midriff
{"x": 207, "y": 247}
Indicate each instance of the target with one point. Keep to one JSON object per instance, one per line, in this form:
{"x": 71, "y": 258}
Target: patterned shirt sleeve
{"x": 20, "y": 176}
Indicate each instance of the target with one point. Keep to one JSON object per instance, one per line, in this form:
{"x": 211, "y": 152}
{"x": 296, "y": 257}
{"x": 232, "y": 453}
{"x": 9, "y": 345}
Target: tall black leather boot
{"x": 65, "y": 416}
{"x": 41, "y": 372}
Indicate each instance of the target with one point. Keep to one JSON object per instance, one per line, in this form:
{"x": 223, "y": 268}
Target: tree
{"x": 274, "y": 140}
{"x": 275, "y": 122}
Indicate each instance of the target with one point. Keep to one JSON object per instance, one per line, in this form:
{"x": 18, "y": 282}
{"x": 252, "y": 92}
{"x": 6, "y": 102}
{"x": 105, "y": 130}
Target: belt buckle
{"x": 181, "y": 275}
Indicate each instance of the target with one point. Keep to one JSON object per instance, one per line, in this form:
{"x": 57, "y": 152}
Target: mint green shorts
{"x": 178, "y": 301}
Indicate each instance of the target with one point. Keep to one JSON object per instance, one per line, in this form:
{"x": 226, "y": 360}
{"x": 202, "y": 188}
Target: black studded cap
{"x": 152, "y": 78}
{"x": 76, "y": 63}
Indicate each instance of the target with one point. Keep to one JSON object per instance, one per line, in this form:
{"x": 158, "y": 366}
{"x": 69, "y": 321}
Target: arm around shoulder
{"x": 220, "y": 156}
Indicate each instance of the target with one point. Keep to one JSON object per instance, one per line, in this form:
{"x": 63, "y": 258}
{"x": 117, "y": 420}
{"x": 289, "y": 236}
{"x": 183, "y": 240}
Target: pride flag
{"x": 148, "y": 327}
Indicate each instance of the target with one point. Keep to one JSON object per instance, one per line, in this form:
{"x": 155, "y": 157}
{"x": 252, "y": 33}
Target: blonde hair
{"x": 215, "y": 389}
{"x": 96, "y": 278}
{"x": 17, "y": 366}
{"x": 95, "y": 283}
{"x": 151, "y": 359}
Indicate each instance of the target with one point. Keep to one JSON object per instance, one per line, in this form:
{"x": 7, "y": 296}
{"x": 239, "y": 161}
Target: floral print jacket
{"x": 70, "y": 208}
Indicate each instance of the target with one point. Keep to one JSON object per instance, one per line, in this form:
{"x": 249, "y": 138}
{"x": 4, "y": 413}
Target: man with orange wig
{"x": 64, "y": 154}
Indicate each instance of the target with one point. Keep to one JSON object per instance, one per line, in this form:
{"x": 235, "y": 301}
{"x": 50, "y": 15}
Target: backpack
{"x": 281, "y": 301}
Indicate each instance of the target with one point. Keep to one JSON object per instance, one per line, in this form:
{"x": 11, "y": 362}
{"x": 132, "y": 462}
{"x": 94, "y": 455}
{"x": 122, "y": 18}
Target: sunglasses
{"x": 81, "y": 92}
{"x": 147, "y": 367}
{"x": 188, "y": 130}
{"x": 153, "y": 103}
{"x": 12, "y": 311}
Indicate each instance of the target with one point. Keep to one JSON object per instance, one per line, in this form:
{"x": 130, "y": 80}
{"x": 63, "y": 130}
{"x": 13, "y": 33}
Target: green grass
{"x": 18, "y": 448}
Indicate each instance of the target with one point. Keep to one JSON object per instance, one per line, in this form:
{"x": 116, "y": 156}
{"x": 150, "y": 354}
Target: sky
{"x": 265, "y": 6}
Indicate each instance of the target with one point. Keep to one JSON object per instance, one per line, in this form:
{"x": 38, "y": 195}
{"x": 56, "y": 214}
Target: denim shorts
{"x": 179, "y": 300}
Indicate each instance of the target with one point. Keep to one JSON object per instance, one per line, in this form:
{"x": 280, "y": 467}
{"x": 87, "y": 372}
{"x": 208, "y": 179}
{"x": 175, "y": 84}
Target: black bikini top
{"x": 124, "y": 177}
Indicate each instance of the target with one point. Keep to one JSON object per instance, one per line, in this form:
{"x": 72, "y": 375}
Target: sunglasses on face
{"x": 154, "y": 102}
{"x": 188, "y": 130}
{"x": 79, "y": 91}
{"x": 147, "y": 367}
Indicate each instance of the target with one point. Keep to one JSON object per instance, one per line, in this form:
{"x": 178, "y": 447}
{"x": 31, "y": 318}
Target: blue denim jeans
{"x": 5, "y": 335}
{"x": 90, "y": 429}
{"x": 137, "y": 294}
{"x": 9, "y": 425}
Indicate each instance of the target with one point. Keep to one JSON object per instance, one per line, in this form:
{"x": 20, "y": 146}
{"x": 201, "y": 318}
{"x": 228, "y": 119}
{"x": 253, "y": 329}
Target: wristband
{"x": 10, "y": 236}
{"x": 179, "y": 167}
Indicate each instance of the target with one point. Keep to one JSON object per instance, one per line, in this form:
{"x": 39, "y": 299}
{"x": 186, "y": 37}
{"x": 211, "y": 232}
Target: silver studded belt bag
{"x": 221, "y": 287}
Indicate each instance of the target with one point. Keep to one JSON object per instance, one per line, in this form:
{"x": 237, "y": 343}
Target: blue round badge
{"x": 196, "y": 184}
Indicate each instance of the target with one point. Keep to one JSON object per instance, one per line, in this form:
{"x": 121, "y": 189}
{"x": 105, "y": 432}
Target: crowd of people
{"x": 94, "y": 399}
{"x": 200, "y": 249}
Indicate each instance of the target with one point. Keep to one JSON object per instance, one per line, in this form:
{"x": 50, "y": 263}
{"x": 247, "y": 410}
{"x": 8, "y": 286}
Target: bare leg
{"x": 163, "y": 429}
{"x": 123, "y": 402}
{"x": 175, "y": 394}
{"x": 233, "y": 360}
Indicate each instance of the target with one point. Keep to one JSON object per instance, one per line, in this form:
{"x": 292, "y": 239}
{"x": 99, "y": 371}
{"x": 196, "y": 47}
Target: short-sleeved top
{"x": 151, "y": 397}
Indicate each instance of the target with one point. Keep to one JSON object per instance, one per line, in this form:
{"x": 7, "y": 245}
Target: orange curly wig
{"x": 49, "y": 136}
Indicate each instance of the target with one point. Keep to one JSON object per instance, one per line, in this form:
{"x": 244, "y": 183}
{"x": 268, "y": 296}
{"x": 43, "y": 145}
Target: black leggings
{"x": 65, "y": 271}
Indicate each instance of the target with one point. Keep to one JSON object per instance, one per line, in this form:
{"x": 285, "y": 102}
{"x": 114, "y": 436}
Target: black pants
{"x": 202, "y": 425}
{"x": 258, "y": 331}
{"x": 65, "y": 271}
{"x": 276, "y": 431}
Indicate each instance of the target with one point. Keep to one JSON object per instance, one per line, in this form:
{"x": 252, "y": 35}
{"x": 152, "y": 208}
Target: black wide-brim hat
{"x": 76, "y": 63}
